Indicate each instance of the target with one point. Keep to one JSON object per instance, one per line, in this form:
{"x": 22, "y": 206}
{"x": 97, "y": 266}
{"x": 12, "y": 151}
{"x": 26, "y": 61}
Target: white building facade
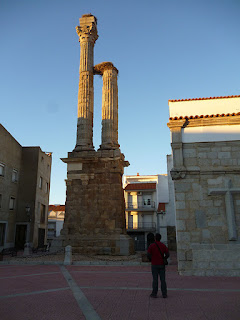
{"x": 56, "y": 214}
{"x": 148, "y": 209}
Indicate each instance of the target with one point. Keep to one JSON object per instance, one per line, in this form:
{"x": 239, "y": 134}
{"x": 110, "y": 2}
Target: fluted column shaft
{"x": 110, "y": 109}
{"x": 87, "y": 33}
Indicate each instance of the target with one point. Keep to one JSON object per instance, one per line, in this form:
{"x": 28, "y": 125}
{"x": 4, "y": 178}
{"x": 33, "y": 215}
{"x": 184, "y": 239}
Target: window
{"x": 46, "y": 190}
{"x": 147, "y": 199}
{"x": 12, "y": 203}
{"x": 40, "y": 182}
{"x": 43, "y": 211}
{"x": 2, "y": 233}
{"x": 14, "y": 175}
{"x": 2, "y": 169}
{"x": 0, "y": 200}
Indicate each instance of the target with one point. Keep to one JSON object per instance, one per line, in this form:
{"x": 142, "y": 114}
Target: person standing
{"x": 150, "y": 239}
{"x": 156, "y": 252}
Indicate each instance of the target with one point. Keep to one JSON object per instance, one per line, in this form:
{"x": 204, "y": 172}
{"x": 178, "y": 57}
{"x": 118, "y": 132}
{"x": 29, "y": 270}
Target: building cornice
{"x": 200, "y": 121}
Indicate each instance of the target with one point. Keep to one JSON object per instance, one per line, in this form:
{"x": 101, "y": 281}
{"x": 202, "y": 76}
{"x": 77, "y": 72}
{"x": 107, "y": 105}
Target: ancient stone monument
{"x": 206, "y": 173}
{"x": 94, "y": 218}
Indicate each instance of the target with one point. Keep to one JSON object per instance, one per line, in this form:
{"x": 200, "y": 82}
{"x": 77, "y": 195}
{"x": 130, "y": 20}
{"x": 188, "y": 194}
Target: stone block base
{"x": 212, "y": 260}
{"x": 119, "y": 244}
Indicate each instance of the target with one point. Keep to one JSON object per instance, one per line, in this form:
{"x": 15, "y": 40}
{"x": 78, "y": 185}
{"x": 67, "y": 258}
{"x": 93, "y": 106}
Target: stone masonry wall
{"x": 201, "y": 218}
{"x": 94, "y": 217}
{"x": 95, "y": 201}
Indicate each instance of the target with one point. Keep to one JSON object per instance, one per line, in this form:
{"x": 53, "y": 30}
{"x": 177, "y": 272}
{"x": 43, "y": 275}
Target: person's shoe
{"x": 164, "y": 296}
{"x": 152, "y": 295}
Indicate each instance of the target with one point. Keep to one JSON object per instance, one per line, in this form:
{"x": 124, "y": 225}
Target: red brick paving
{"x": 20, "y": 283}
{"x": 115, "y": 292}
{"x": 59, "y": 305}
{"x": 14, "y": 270}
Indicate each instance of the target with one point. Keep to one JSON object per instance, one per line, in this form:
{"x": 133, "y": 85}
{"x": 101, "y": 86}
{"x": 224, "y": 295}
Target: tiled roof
{"x": 140, "y": 186}
{"x": 206, "y": 116}
{"x": 52, "y": 207}
{"x": 225, "y": 97}
{"x": 161, "y": 207}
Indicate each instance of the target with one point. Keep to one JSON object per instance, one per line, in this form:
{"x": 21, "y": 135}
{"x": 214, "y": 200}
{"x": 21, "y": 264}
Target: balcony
{"x": 141, "y": 226}
{"x": 145, "y": 205}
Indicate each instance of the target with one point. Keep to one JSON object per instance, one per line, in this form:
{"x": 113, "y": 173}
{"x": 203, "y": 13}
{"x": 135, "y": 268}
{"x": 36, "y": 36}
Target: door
{"x": 41, "y": 236}
{"x": 147, "y": 222}
{"x": 130, "y": 221}
{"x": 139, "y": 242}
{"x": 133, "y": 221}
{"x": 20, "y": 237}
{"x": 129, "y": 203}
{"x": 2, "y": 233}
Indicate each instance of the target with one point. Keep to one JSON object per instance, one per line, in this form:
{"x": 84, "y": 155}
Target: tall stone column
{"x": 109, "y": 105}
{"x": 87, "y": 32}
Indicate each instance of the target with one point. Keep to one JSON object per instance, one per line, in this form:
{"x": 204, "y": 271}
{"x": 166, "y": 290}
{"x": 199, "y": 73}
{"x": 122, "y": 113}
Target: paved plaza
{"x": 112, "y": 292}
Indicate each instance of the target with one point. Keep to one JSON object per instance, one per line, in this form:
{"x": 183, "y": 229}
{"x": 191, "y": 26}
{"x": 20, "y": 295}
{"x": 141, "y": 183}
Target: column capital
{"x": 175, "y": 125}
{"x": 87, "y": 31}
{"x": 103, "y": 66}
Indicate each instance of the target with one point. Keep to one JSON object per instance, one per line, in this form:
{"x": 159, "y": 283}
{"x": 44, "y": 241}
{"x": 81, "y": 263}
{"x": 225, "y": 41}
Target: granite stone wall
{"x": 94, "y": 212}
{"x": 201, "y": 219}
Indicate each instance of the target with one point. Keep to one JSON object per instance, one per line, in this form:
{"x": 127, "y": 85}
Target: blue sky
{"x": 175, "y": 49}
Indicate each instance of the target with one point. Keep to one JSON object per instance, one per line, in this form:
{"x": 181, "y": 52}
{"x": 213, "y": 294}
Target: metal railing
{"x": 141, "y": 245}
{"x": 145, "y": 204}
{"x": 147, "y": 226}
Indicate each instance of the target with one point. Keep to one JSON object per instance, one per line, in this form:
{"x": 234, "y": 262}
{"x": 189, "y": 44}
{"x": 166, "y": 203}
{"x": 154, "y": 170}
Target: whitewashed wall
{"x": 204, "y": 107}
{"x": 211, "y": 133}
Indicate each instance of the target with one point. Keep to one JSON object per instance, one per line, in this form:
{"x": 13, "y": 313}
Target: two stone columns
{"x": 87, "y": 32}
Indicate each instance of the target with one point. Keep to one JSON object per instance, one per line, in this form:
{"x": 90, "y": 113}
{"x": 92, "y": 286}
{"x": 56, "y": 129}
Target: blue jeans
{"x": 159, "y": 270}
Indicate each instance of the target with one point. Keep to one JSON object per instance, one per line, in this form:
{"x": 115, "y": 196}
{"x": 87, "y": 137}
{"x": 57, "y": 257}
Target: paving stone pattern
{"x": 112, "y": 292}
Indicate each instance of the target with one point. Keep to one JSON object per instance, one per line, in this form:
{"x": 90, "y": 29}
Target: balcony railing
{"x": 145, "y": 204}
{"x": 145, "y": 226}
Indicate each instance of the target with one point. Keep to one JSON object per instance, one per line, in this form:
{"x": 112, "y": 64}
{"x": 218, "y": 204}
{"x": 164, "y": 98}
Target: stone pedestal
{"x": 94, "y": 217}
{"x": 27, "y": 250}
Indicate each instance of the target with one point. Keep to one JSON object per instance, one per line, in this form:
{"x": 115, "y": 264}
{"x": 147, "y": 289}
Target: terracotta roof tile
{"x": 206, "y": 116}
{"x": 140, "y": 186}
{"x": 224, "y": 97}
{"x": 52, "y": 207}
